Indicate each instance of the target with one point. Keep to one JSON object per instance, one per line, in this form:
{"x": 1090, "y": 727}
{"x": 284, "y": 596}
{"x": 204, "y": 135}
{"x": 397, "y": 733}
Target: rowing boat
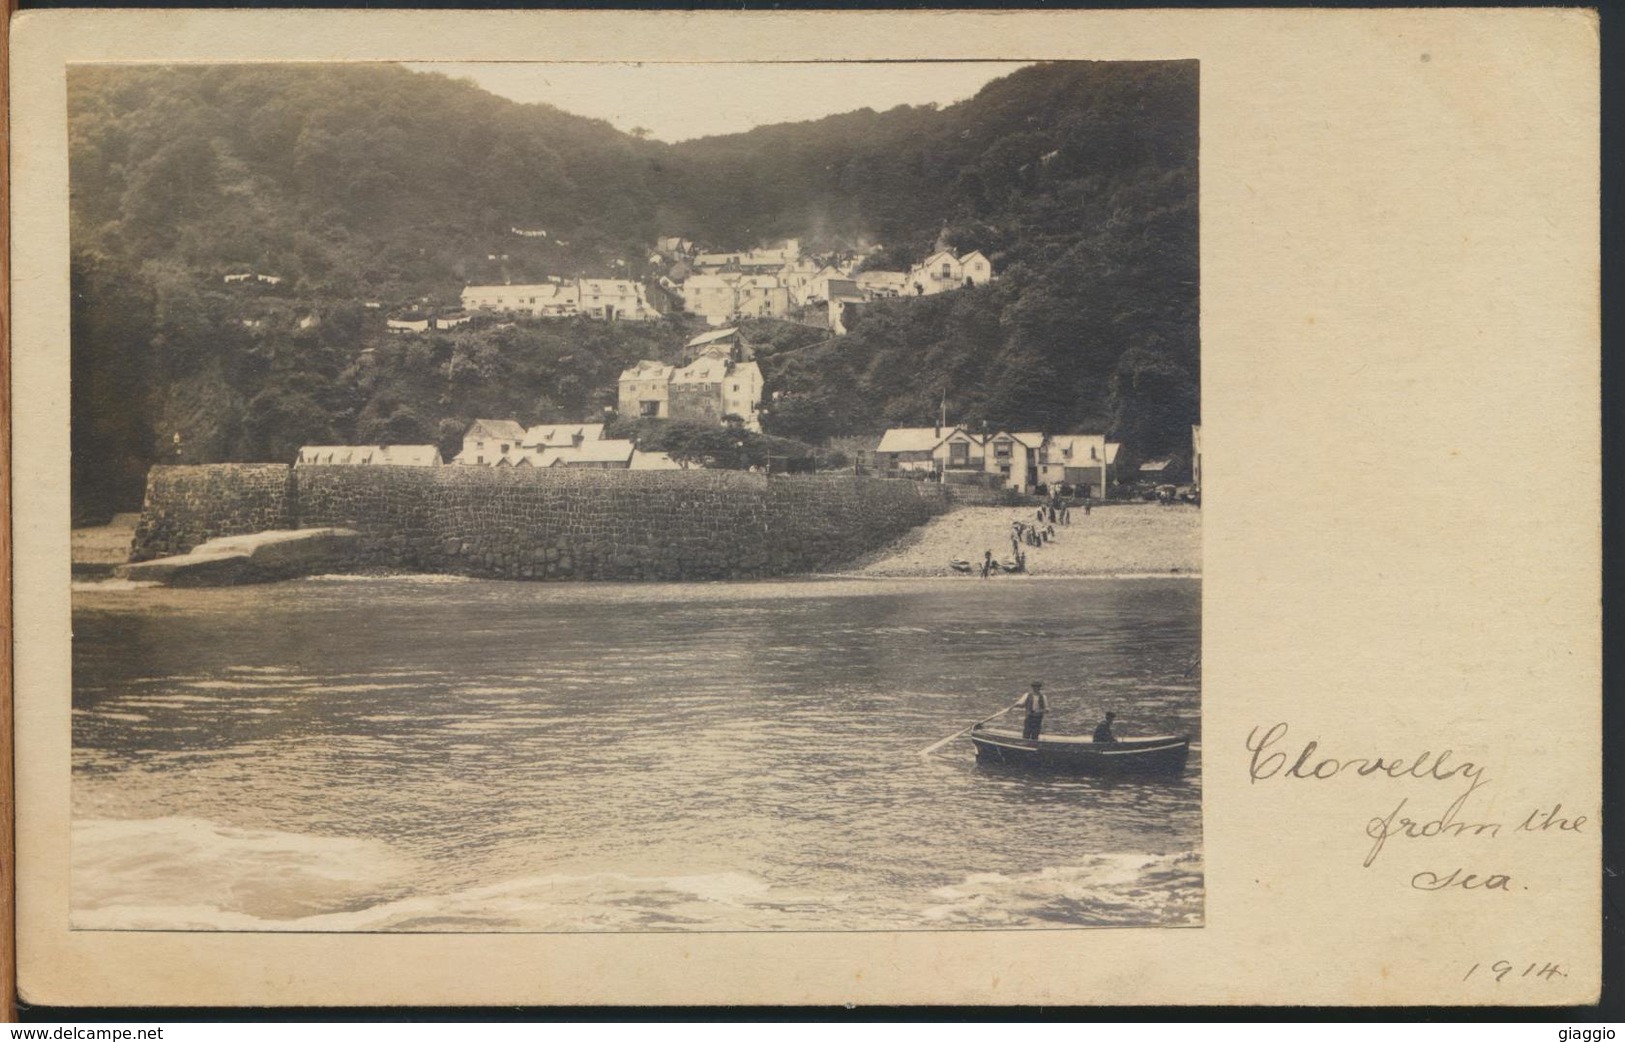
{"x": 1075, "y": 754}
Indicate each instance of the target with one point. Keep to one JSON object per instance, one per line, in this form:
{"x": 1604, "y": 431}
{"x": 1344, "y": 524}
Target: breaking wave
{"x": 190, "y": 874}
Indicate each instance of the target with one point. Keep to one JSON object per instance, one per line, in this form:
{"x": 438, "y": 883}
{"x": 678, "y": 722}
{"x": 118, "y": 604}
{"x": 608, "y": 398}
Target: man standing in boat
{"x": 1103, "y": 733}
{"x": 1033, "y": 702}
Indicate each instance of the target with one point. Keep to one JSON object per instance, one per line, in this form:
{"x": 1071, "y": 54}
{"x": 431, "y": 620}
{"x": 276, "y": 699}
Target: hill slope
{"x": 358, "y": 183}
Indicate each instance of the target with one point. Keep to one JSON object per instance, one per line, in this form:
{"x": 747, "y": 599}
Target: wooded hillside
{"x": 376, "y": 184}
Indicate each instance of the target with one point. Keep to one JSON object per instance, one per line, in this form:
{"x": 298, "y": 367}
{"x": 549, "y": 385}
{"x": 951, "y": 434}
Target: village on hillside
{"x": 718, "y": 383}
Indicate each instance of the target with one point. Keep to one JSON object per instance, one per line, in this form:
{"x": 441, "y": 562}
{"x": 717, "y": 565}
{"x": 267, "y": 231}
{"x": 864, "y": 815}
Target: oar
{"x": 927, "y": 752}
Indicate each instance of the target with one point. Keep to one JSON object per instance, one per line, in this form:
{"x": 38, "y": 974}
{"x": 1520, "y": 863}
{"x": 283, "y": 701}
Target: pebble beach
{"x": 1119, "y": 539}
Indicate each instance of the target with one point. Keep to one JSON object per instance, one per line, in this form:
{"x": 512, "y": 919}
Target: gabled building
{"x": 761, "y": 296}
{"x": 486, "y": 442}
{"x": 712, "y": 296}
{"x": 1019, "y": 460}
{"x": 645, "y": 390}
{"x": 1084, "y": 461}
{"x": 710, "y": 389}
{"x": 614, "y": 300}
{"x": 1014, "y": 457}
{"x": 942, "y": 271}
{"x": 904, "y": 449}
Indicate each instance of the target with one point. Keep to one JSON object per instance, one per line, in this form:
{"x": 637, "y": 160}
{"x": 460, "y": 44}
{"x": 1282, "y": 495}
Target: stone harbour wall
{"x": 601, "y": 524}
{"x": 185, "y": 506}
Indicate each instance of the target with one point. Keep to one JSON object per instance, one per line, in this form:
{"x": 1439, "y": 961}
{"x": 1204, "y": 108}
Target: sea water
{"x": 437, "y": 754}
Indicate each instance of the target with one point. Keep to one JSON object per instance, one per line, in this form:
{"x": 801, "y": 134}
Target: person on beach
{"x": 1066, "y": 514}
{"x": 1035, "y": 706}
{"x": 1103, "y": 733}
{"x": 987, "y": 563}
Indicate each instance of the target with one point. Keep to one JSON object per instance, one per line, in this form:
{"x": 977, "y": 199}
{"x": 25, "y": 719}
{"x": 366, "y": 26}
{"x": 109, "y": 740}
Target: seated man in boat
{"x": 1103, "y": 733}
{"x": 1033, "y": 702}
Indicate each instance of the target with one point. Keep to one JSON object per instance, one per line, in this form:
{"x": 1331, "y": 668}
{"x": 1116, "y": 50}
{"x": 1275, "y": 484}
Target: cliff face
{"x": 523, "y": 524}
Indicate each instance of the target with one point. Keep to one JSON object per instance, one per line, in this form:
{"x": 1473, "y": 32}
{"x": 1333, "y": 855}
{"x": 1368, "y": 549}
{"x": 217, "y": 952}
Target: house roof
{"x": 1031, "y": 439}
{"x": 973, "y": 253}
{"x": 712, "y": 337}
{"x": 378, "y": 455}
{"x": 1155, "y": 466}
{"x": 653, "y": 461}
{"x": 913, "y": 439}
{"x": 937, "y": 256}
{"x": 552, "y": 434}
{"x": 609, "y": 286}
{"x": 704, "y": 369}
{"x": 498, "y": 429}
{"x": 609, "y": 450}
{"x": 648, "y": 370}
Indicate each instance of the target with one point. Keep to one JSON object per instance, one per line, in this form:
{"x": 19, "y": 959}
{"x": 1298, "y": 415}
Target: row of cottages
{"x": 718, "y": 384}
{"x": 504, "y": 443}
{"x": 729, "y": 296}
{"x": 1022, "y": 460}
{"x": 942, "y": 271}
{"x": 608, "y": 299}
{"x": 374, "y": 455}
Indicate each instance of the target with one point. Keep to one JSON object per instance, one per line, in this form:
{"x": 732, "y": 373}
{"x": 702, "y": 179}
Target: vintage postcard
{"x": 670, "y": 508}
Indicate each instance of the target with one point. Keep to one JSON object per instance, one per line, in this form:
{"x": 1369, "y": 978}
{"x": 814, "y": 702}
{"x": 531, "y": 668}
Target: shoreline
{"x": 1120, "y": 542}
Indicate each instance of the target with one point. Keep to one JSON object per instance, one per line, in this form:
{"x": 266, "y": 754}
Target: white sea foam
{"x": 1105, "y": 890}
{"x": 186, "y": 873}
{"x": 109, "y": 586}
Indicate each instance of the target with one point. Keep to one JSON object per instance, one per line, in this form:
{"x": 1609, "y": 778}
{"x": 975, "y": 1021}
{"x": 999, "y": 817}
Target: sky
{"x": 678, "y": 101}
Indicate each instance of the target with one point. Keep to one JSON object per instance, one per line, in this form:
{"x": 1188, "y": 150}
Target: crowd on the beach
{"x": 1032, "y": 533}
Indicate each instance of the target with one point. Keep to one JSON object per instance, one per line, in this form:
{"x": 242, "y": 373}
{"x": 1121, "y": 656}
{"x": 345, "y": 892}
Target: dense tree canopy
{"x": 373, "y": 184}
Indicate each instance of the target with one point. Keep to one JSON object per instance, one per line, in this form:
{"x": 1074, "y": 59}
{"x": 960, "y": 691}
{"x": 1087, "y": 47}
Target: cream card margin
{"x": 1400, "y": 343}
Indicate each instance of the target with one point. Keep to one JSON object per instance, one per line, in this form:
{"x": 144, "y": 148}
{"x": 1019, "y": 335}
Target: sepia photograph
{"x": 585, "y": 497}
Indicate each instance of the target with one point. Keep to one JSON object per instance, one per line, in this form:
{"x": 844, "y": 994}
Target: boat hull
{"x": 1162, "y": 756}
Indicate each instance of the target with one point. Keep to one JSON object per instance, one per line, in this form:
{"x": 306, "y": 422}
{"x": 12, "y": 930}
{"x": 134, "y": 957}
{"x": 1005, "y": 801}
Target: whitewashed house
{"x": 644, "y": 390}
{"x": 614, "y": 300}
{"x": 1084, "y": 461}
{"x": 486, "y": 442}
{"x": 909, "y": 449}
{"x": 712, "y": 297}
{"x": 942, "y": 271}
{"x": 543, "y": 299}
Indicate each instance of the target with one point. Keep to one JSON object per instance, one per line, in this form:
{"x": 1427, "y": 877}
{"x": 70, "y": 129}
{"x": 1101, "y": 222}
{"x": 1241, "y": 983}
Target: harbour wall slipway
{"x": 545, "y": 524}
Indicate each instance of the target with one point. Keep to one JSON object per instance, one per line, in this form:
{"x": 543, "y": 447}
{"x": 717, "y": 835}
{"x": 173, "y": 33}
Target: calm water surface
{"x": 428, "y": 753}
